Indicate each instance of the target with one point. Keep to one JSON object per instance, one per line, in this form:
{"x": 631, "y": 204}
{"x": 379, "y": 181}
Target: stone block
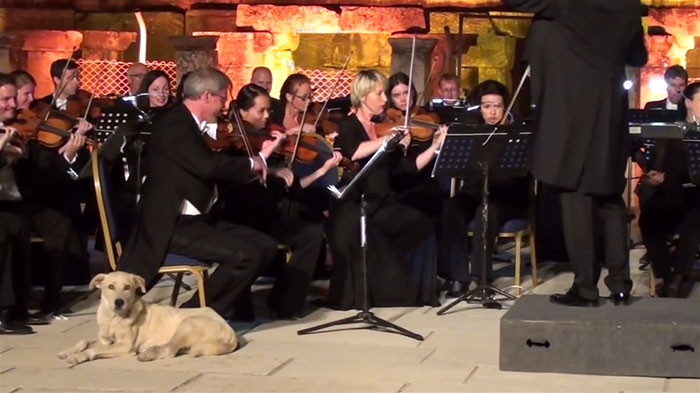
{"x": 491, "y": 50}
{"x": 380, "y": 19}
{"x": 106, "y": 45}
{"x": 210, "y": 20}
{"x": 317, "y": 383}
{"x": 300, "y": 19}
{"x": 90, "y": 379}
{"x": 160, "y": 26}
{"x": 330, "y": 51}
{"x": 44, "y": 358}
{"x": 500, "y": 74}
{"x": 45, "y": 18}
{"x": 489, "y": 378}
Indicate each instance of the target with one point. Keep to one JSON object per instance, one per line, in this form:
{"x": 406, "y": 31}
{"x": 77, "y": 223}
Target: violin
{"x": 85, "y": 105}
{"x": 422, "y": 124}
{"x": 51, "y": 133}
{"x": 309, "y": 148}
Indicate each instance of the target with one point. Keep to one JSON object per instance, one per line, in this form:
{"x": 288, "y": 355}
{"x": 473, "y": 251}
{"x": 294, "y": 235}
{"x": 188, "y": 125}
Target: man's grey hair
{"x": 205, "y": 80}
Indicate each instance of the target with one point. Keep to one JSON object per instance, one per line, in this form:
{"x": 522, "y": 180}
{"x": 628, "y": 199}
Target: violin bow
{"x": 239, "y": 123}
{"x": 515, "y": 96}
{"x": 301, "y": 129}
{"x": 61, "y": 84}
{"x": 234, "y": 116}
{"x": 333, "y": 90}
{"x": 410, "y": 83}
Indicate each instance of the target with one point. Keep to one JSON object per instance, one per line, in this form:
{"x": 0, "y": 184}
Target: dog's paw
{"x": 149, "y": 354}
{"x": 79, "y": 347}
{"x": 78, "y": 358}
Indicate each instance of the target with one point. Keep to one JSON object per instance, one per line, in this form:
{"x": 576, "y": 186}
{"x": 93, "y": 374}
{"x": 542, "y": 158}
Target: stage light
{"x": 627, "y": 84}
{"x": 657, "y": 85}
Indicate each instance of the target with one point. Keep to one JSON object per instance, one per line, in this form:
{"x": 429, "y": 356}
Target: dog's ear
{"x": 139, "y": 282}
{"x": 97, "y": 280}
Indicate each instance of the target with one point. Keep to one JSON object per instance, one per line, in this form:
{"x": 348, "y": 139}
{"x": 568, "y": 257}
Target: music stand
{"x": 365, "y": 315}
{"x": 500, "y": 151}
{"x": 692, "y": 147}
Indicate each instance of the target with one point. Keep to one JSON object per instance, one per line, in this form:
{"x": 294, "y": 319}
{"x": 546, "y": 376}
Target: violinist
{"x": 39, "y": 188}
{"x": 422, "y": 192}
{"x": 64, "y": 74}
{"x": 672, "y": 204}
{"x": 295, "y": 94}
{"x": 135, "y": 74}
{"x": 507, "y": 199}
{"x": 157, "y": 84}
{"x": 401, "y": 255}
{"x": 262, "y": 76}
{"x": 276, "y": 211}
{"x": 26, "y": 85}
{"x": 182, "y": 179}
{"x": 448, "y": 87}
{"x": 15, "y": 249}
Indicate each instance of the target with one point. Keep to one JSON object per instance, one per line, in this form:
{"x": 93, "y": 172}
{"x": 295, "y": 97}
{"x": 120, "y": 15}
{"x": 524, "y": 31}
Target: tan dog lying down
{"x": 127, "y": 325}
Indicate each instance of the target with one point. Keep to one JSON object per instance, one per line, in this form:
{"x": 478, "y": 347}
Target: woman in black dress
{"x": 401, "y": 242}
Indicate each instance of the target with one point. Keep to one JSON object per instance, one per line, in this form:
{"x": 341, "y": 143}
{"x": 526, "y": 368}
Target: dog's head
{"x": 119, "y": 290}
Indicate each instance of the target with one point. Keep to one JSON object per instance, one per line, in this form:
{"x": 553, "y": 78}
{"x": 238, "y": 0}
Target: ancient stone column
{"x": 106, "y": 45}
{"x": 692, "y": 60}
{"x": 401, "y": 60}
{"x": 193, "y": 53}
{"x": 42, "y": 48}
{"x": 11, "y": 51}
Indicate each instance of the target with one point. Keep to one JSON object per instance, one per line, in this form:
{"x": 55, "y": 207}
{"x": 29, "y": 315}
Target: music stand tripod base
{"x": 364, "y": 316}
{"x": 502, "y": 148}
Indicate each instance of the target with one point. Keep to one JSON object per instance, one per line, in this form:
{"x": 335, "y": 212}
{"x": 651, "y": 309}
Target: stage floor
{"x": 460, "y": 354}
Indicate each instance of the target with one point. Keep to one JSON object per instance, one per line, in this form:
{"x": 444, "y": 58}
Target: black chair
{"x": 177, "y": 265}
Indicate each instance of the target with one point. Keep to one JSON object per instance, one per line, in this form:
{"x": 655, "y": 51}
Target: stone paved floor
{"x": 460, "y": 353}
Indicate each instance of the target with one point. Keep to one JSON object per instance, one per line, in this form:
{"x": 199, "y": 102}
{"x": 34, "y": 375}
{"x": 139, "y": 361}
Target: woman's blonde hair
{"x": 363, "y": 84}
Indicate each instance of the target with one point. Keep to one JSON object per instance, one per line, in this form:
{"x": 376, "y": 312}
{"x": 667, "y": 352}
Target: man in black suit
{"x": 40, "y": 187}
{"x": 15, "y": 236}
{"x": 676, "y": 78}
{"x": 181, "y": 188}
{"x": 578, "y": 50}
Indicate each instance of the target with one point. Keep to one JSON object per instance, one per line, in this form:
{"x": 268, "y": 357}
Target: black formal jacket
{"x": 578, "y": 50}
{"x": 680, "y": 113}
{"x": 179, "y": 167}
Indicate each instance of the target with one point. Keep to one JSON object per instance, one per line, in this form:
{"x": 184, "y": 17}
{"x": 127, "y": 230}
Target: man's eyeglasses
{"x": 223, "y": 98}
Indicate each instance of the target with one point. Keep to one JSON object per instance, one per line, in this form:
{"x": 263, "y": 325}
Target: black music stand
{"x": 502, "y": 151}
{"x": 365, "y": 315}
{"x": 692, "y": 148}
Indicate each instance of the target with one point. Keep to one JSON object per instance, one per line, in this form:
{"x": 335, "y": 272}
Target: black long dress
{"x": 401, "y": 242}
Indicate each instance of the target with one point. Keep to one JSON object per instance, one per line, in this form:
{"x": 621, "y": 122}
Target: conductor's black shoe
{"x": 9, "y": 327}
{"x": 572, "y": 299}
{"x": 456, "y": 289}
{"x": 620, "y": 298}
{"x": 25, "y": 318}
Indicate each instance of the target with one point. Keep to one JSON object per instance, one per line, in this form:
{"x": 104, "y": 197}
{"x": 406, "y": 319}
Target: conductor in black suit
{"x": 578, "y": 50}
{"x": 676, "y": 78}
{"x": 179, "y": 191}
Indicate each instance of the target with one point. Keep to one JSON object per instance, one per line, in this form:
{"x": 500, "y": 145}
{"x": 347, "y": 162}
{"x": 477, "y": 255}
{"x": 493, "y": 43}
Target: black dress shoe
{"x": 8, "y": 327}
{"x": 572, "y": 299}
{"x": 35, "y": 319}
{"x": 456, "y": 289}
{"x": 620, "y": 298}
{"x": 674, "y": 285}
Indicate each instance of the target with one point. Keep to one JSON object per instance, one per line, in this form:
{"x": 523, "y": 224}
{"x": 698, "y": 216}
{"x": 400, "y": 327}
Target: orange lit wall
{"x": 682, "y": 25}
